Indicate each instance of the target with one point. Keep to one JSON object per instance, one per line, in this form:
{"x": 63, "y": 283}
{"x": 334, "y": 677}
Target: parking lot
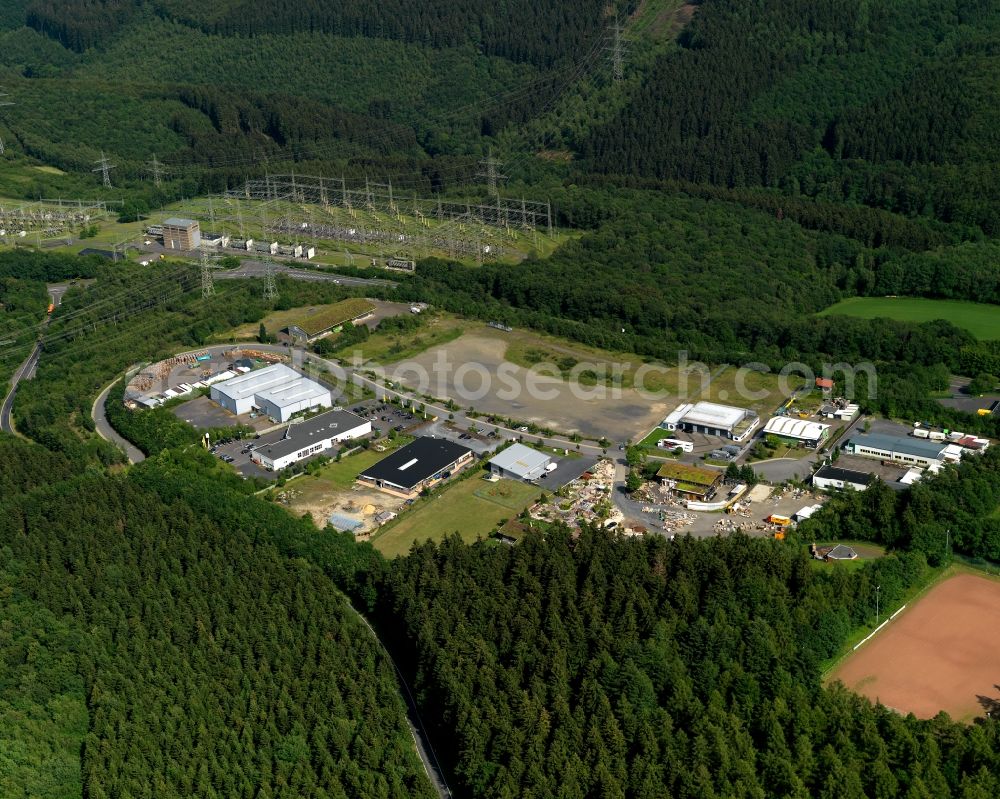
{"x": 385, "y": 417}
{"x": 204, "y": 414}
{"x": 567, "y": 470}
{"x": 236, "y": 454}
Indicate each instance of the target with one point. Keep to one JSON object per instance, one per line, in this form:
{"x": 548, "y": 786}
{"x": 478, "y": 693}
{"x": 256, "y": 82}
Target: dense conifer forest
{"x": 593, "y": 667}
{"x": 165, "y": 631}
{"x": 151, "y": 650}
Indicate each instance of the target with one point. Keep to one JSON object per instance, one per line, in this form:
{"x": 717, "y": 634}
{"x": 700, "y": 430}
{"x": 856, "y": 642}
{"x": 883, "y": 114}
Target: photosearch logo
{"x": 550, "y": 381}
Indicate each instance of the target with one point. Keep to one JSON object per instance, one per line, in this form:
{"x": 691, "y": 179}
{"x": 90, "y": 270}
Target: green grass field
{"x": 657, "y": 434}
{"x": 319, "y": 316}
{"x": 341, "y": 474}
{"x": 866, "y": 550}
{"x": 473, "y": 507}
{"x": 980, "y": 319}
{"x": 391, "y": 347}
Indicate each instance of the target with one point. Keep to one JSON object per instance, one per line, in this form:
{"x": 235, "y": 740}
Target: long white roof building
{"x": 277, "y": 390}
{"x": 798, "y": 429}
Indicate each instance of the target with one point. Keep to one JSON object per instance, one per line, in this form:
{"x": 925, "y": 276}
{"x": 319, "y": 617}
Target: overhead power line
{"x": 155, "y": 168}
{"x": 270, "y": 289}
{"x": 490, "y": 169}
{"x": 616, "y": 49}
{"x": 104, "y": 166}
{"x": 207, "y": 282}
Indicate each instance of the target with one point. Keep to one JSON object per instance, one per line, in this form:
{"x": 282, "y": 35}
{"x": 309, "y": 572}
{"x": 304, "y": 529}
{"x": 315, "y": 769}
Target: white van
{"x": 675, "y": 443}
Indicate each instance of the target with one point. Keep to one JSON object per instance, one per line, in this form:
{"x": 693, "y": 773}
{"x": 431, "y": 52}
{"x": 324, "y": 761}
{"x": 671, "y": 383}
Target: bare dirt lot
{"x": 322, "y": 501}
{"x": 620, "y": 414}
{"x": 941, "y": 653}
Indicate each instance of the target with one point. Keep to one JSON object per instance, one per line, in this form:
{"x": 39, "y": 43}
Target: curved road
{"x": 104, "y": 429}
{"x": 25, "y": 372}
{"x": 27, "y": 369}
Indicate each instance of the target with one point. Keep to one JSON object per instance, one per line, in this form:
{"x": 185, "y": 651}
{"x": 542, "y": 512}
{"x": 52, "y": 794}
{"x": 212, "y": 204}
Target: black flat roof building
{"x": 835, "y": 477}
{"x": 417, "y": 465}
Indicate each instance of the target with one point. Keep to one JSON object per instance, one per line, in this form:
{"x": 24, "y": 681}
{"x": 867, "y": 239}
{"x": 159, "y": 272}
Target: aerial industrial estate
{"x": 695, "y": 459}
{"x": 497, "y": 399}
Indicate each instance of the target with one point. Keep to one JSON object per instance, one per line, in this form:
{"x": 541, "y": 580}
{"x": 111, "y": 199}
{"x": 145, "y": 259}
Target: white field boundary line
{"x": 872, "y": 633}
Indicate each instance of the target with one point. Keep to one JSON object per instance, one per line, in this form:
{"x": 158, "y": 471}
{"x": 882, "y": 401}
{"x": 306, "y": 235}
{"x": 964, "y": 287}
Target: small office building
{"x": 519, "y": 462}
{"x": 419, "y": 465}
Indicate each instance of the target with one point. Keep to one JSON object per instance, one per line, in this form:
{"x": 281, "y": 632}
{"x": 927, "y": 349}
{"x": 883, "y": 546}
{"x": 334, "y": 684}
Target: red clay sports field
{"x": 941, "y": 653}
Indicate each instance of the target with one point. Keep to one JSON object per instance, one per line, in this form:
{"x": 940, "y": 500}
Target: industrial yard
{"x": 686, "y": 490}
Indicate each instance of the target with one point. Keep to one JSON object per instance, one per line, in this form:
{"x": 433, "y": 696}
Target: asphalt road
{"x": 28, "y": 368}
{"x": 257, "y": 269}
{"x": 108, "y": 433}
{"x": 420, "y": 738}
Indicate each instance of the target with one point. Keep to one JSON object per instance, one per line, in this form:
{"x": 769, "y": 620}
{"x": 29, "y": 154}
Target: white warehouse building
{"x": 712, "y": 419}
{"x": 519, "y": 462}
{"x": 298, "y": 441}
{"x": 812, "y": 434}
{"x": 284, "y": 401}
{"x": 277, "y": 390}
